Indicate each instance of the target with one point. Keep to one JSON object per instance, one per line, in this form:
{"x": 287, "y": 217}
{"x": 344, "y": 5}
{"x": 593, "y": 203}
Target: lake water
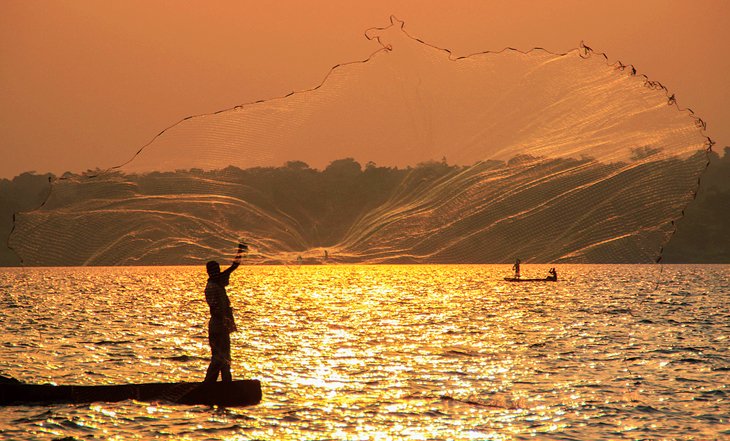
{"x": 381, "y": 352}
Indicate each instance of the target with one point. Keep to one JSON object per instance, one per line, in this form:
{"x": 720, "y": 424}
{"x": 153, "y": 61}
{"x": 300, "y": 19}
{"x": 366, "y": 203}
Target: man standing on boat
{"x": 221, "y": 323}
{"x": 516, "y": 267}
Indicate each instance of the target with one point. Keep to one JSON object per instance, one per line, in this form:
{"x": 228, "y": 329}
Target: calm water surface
{"x": 381, "y": 352}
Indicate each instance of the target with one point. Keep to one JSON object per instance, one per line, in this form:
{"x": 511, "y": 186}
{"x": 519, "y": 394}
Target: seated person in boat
{"x": 553, "y": 275}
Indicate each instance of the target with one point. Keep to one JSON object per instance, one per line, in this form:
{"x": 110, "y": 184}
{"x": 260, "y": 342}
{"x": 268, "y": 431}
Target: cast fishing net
{"x": 410, "y": 156}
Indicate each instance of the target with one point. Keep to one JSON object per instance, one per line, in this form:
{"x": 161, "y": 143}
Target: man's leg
{"x": 216, "y": 357}
{"x": 226, "y": 357}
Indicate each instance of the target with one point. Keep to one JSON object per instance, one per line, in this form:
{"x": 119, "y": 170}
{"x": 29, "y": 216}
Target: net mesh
{"x": 412, "y": 155}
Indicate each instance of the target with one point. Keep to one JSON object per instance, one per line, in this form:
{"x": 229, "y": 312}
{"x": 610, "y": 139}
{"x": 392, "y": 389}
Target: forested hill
{"x": 378, "y": 214}
{"x": 24, "y": 192}
{"x": 703, "y": 235}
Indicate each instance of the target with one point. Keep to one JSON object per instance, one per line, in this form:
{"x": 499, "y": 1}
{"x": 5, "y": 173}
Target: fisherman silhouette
{"x": 221, "y": 323}
{"x": 553, "y": 275}
{"x": 516, "y": 267}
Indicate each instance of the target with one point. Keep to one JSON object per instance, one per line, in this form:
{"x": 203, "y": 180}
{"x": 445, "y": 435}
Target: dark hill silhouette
{"x": 703, "y": 235}
{"x": 545, "y": 210}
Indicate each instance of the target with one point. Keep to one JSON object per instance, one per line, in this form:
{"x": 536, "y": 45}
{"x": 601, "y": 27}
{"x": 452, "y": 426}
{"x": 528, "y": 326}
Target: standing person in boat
{"x": 516, "y": 267}
{"x": 221, "y": 323}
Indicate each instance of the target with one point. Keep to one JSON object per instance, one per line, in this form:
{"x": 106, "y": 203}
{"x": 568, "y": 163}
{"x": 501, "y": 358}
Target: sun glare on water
{"x": 380, "y": 351}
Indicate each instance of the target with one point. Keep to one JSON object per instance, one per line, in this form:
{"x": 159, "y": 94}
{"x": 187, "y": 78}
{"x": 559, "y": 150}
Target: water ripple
{"x": 377, "y": 352}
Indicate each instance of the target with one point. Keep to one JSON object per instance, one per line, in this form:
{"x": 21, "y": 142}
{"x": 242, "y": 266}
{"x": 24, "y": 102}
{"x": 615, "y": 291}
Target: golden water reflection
{"x": 376, "y": 352}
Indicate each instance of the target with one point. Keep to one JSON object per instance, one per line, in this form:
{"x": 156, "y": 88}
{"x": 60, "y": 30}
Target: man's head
{"x": 213, "y": 268}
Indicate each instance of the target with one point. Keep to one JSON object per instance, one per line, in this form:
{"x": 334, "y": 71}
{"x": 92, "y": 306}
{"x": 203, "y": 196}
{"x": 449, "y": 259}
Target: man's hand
{"x": 242, "y": 248}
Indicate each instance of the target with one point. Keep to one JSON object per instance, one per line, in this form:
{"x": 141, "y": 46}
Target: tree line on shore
{"x": 345, "y": 188}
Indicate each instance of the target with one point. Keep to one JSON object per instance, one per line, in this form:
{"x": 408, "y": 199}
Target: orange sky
{"x": 84, "y": 84}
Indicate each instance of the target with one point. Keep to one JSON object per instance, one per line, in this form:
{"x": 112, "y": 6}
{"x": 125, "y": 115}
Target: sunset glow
{"x": 383, "y": 220}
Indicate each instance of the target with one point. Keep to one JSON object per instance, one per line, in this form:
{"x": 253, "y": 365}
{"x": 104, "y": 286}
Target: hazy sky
{"x": 84, "y": 84}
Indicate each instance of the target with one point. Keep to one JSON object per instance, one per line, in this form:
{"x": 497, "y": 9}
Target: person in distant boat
{"x": 553, "y": 275}
{"x": 221, "y": 323}
{"x": 516, "y": 267}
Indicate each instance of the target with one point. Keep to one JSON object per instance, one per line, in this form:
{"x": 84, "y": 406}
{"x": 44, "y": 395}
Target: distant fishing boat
{"x": 520, "y": 279}
{"x": 553, "y": 275}
{"x": 231, "y": 394}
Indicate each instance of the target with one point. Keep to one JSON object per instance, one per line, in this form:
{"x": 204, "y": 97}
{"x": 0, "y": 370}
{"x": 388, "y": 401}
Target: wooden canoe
{"x": 235, "y": 393}
{"x": 515, "y": 279}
